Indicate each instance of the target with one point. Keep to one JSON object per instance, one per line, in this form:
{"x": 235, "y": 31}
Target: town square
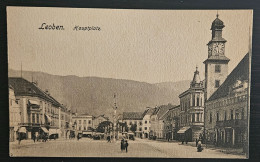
{"x": 202, "y": 112}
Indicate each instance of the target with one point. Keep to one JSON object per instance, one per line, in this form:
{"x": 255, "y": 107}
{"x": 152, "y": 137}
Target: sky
{"x": 143, "y": 45}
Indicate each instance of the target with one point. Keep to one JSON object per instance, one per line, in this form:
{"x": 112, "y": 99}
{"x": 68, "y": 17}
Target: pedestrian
{"x": 34, "y": 138}
{"x": 19, "y": 138}
{"x": 78, "y": 136}
{"x": 126, "y": 145}
{"x": 196, "y": 142}
{"x": 199, "y": 148}
{"x": 122, "y": 145}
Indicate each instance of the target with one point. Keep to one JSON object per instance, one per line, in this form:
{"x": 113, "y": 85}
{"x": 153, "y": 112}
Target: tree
{"x": 133, "y": 127}
{"x": 101, "y": 127}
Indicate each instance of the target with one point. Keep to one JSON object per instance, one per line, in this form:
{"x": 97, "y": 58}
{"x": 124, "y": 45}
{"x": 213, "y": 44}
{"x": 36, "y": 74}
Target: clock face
{"x": 218, "y": 48}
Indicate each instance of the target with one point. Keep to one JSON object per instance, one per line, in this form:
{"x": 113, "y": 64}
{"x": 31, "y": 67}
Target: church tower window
{"x": 217, "y": 68}
{"x": 217, "y": 83}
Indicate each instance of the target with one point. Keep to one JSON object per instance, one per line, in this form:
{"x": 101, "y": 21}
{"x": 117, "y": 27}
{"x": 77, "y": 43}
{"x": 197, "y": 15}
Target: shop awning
{"x": 86, "y": 132}
{"x": 183, "y": 130}
{"x": 48, "y": 118}
{"x": 44, "y": 129}
{"x": 59, "y": 131}
{"x": 52, "y": 131}
{"x": 22, "y": 130}
{"x": 32, "y": 102}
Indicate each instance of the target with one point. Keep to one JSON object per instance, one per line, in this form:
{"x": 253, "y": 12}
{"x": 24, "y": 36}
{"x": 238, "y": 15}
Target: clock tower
{"x": 216, "y": 65}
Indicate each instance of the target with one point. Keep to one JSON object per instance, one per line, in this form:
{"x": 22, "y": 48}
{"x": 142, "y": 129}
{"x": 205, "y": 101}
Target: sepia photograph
{"x": 146, "y": 83}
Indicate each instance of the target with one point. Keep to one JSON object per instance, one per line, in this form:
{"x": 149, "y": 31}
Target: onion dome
{"x": 217, "y": 24}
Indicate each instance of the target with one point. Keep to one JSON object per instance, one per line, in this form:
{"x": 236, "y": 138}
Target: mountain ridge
{"x": 94, "y": 95}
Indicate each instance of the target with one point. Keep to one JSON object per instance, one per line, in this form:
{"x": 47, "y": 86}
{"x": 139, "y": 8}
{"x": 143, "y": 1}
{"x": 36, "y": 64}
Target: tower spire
{"x": 21, "y": 69}
{"x": 217, "y": 14}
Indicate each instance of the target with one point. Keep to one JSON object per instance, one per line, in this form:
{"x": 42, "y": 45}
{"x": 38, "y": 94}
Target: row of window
{"x": 228, "y": 101}
{"x": 194, "y": 117}
{"x": 135, "y": 122}
{"x": 84, "y": 121}
{"x": 196, "y": 101}
{"x": 233, "y": 114}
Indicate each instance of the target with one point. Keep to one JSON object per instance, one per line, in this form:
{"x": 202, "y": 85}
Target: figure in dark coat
{"x": 126, "y": 145}
{"x": 122, "y": 145}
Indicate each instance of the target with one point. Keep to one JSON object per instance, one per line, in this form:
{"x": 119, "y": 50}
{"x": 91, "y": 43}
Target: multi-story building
{"x": 226, "y": 112}
{"x": 83, "y": 122}
{"x": 39, "y": 110}
{"x": 171, "y": 123}
{"x": 131, "y": 118}
{"x": 192, "y": 109}
{"x": 14, "y": 115}
{"x": 157, "y": 125}
{"x": 147, "y": 121}
{"x": 65, "y": 121}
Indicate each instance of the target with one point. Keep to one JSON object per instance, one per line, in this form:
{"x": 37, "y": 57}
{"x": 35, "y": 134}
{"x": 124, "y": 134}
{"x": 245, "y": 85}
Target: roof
{"x": 149, "y": 111}
{"x": 241, "y": 72}
{"x": 161, "y": 110}
{"x": 217, "y": 24}
{"x": 217, "y": 58}
{"x": 102, "y": 116}
{"x": 23, "y": 87}
{"x": 132, "y": 115}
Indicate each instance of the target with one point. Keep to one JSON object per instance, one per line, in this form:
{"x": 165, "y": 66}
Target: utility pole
{"x": 114, "y": 119}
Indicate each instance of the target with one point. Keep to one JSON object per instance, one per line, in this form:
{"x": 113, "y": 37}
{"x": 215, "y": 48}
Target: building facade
{"x": 83, "y": 122}
{"x": 134, "y": 118}
{"x": 192, "y": 108}
{"x": 171, "y": 121}
{"x": 14, "y": 115}
{"x": 157, "y": 120}
{"x": 147, "y": 121}
{"x": 227, "y": 109}
{"x": 40, "y": 112}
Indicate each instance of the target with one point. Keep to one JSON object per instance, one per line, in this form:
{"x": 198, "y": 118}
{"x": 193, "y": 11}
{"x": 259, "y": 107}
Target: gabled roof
{"x": 132, "y": 115}
{"x": 241, "y": 72}
{"x": 161, "y": 110}
{"x": 23, "y": 87}
{"x": 149, "y": 111}
{"x": 102, "y": 116}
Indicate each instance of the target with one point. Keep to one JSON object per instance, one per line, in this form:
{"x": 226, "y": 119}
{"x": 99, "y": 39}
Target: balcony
{"x": 232, "y": 123}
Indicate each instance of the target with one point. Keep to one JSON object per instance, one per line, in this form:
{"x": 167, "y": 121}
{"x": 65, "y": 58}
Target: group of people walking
{"x": 124, "y": 145}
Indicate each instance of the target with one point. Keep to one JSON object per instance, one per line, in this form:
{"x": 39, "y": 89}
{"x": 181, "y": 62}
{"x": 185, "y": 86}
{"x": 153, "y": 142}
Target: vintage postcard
{"x": 129, "y": 83}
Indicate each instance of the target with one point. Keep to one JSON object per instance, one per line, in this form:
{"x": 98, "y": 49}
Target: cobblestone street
{"x": 100, "y": 148}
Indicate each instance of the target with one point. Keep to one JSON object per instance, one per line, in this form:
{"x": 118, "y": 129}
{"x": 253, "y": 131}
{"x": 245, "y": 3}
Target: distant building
{"x": 171, "y": 121}
{"x": 147, "y": 121}
{"x": 192, "y": 109}
{"x": 14, "y": 115}
{"x": 83, "y": 122}
{"x": 226, "y": 112}
{"x": 157, "y": 125}
{"x": 131, "y": 118}
{"x": 99, "y": 119}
